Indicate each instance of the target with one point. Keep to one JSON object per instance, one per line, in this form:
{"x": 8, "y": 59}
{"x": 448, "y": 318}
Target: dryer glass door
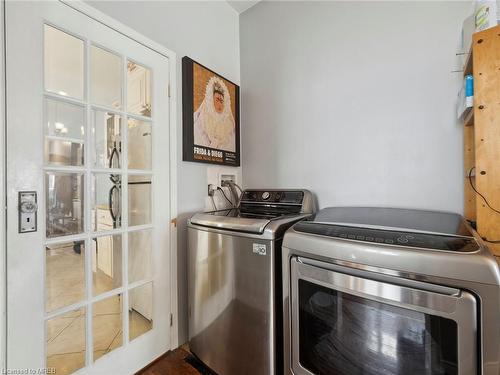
{"x": 344, "y": 324}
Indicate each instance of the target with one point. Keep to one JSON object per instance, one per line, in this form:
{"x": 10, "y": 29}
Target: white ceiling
{"x": 241, "y": 5}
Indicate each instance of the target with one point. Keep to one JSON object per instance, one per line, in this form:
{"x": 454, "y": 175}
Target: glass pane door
{"x": 88, "y": 132}
{"x": 98, "y": 215}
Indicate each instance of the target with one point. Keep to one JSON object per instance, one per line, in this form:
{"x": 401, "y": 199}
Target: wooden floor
{"x": 176, "y": 362}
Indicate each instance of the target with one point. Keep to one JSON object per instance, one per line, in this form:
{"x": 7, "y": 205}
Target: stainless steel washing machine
{"x": 234, "y": 281}
{"x": 389, "y": 291}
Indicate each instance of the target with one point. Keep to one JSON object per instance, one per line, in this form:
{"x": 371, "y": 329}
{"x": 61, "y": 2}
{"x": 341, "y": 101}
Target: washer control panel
{"x": 273, "y": 196}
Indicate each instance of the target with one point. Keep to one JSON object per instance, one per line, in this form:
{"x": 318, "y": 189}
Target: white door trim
{"x": 3, "y": 195}
{"x": 134, "y": 35}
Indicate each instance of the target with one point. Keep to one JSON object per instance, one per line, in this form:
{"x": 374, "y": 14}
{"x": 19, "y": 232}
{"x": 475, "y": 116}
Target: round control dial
{"x": 266, "y": 195}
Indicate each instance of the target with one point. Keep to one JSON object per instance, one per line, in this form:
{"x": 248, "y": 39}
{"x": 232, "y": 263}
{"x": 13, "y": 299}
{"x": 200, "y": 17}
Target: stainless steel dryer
{"x": 389, "y": 291}
{"x": 234, "y": 281}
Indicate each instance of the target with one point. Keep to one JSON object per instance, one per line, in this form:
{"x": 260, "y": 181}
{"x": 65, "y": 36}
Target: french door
{"x": 88, "y": 194}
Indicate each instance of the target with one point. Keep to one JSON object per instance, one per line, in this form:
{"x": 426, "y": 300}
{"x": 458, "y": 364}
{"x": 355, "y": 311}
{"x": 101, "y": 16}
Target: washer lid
{"x": 231, "y": 220}
{"x": 407, "y": 220}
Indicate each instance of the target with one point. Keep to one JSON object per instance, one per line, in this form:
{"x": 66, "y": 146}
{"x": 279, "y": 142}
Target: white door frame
{"x": 103, "y": 18}
{"x": 3, "y": 196}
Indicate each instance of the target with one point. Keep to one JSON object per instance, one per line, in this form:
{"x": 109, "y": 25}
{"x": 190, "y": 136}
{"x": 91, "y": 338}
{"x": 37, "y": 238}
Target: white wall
{"x": 207, "y": 32}
{"x": 353, "y": 100}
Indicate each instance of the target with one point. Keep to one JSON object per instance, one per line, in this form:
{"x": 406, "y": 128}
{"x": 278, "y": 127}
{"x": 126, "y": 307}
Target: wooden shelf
{"x": 469, "y": 201}
{"x": 469, "y": 117}
{"x": 468, "y": 68}
{"x": 495, "y": 249}
{"x": 481, "y": 136}
{"x": 469, "y": 150}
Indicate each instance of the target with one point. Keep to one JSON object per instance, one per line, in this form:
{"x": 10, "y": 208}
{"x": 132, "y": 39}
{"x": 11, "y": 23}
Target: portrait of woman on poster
{"x": 214, "y": 124}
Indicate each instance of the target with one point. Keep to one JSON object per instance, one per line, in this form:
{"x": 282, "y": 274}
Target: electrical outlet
{"x": 211, "y": 190}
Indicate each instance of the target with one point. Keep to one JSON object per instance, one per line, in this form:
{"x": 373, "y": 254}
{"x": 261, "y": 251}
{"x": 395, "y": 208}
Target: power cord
{"x": 478, "y": 193}
{"x": 485, "y": 201}
{"x": 213, "y": 203}
{"x": 232, "y": 189}
{"x": 238, "y": 197}
{"x": 238, "y": 186}
{"x": 224, "y": 194}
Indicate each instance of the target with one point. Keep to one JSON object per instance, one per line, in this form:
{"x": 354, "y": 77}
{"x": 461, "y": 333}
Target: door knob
{"x": 28, "y": 208}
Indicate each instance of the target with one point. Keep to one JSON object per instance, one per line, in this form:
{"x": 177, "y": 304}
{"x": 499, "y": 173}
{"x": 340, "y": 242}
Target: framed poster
{"x": 210, "y": 116}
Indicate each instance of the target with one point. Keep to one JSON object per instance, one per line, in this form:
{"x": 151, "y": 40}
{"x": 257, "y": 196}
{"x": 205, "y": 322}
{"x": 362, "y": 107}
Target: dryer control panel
{"x": 389, "y": 237}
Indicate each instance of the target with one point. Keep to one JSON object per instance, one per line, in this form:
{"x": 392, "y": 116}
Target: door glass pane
{"x": 105, "y": 78}
{"x": 106, "y": 263}
{"x": 106, "y": 201}
{"x": 140, "y": 310}
{"x": 64, "y": 274}
{"x": 64, "y": 198}
{"x": 139, "y": 144}
{"x": 64, "y": 119}
{"x": 106, "y": 130}
{"x": 65, "y": 342}
{"x": 63, "y": 152}
{"x": 63, "y": 63}
{"x": 107, "y": 325}
{"x": 138, "y": 89}
{"x": 139, "y": 200}
{"x": 64, "y": 133}
{"x": 139, "y": 255}
{"x": 344, "y": 334}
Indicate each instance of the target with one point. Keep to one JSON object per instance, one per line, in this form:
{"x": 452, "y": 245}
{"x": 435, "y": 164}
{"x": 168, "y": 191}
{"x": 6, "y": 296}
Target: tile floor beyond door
{"x": 66, "y": 335}
{"x": 65, "y": 341}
